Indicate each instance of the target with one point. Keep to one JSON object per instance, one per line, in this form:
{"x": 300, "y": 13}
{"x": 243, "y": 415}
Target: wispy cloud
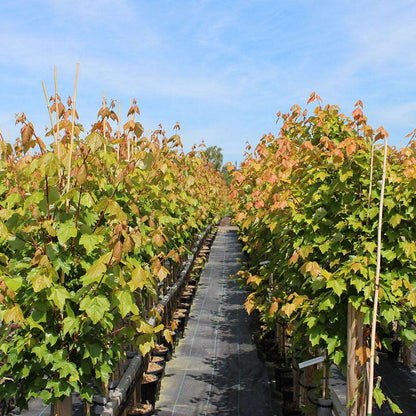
{"x": 222, "y": 68}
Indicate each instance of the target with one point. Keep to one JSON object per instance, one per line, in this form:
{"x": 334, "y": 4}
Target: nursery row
{"x": 307, "y": 204}
{"x": 92, "y": 231}
{"x": 140, "y": 381}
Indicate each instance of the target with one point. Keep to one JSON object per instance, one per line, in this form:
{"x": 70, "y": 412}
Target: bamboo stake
{"x": 325, "y": 378}
{"x": 371, "y": 178}
{"x": 71, "y": 145}
{"x": 104, "y": 122}
{"x": 128, "y": 142}
{"x": 376, "y": 287}
{"x": 57, "y": 111}
{"x": 58, "y": 129}
{"x": 50, "y": 115}
{"x": 118, "y": 132}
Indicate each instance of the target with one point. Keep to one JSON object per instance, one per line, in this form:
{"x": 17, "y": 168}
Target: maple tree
{"x": 88, "y": 228}
{"x": 306, "y": 203}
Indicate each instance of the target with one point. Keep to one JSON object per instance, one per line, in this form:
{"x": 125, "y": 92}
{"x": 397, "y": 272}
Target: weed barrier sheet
{"x": 215, "y": 369}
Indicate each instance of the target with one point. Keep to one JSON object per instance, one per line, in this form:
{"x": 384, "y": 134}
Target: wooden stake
{"x": 71, "y": 145}
{"x": 128, "y": 141}
{"x": 371, "y": 178}
{"x": 376, "y": 287}
{"x": 325, "y": 379}
{"x": 50, "y": 116}
{"x": 355, "y": 371}
{"x": 118, "y": 131}
{"x": 57, "y": 111}
{"x": 104, "y": 122}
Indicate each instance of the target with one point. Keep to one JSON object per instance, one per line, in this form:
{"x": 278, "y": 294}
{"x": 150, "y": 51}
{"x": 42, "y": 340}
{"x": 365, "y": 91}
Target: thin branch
{"x": 71, "y": 145}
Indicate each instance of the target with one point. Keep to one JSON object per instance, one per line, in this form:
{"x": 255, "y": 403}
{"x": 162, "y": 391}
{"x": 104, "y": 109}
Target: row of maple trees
{"x": 307, "y": 203}
{"x": 90, "y": 228}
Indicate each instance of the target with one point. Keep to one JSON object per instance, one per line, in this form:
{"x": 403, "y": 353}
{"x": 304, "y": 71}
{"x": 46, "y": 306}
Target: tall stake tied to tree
{"x": 306, "y": 201}
{"x": 79, "y": 263}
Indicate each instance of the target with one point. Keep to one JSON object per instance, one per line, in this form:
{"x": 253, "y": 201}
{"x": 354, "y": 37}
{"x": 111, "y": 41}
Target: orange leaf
{"x": 363, "y": 354}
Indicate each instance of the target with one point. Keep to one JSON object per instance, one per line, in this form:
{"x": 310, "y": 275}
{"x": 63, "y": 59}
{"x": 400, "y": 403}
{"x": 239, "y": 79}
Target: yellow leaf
{"x": 249, "y": 305}
{"x": 356, "y": 267}
{"x": 412, "y": 298}
{"x": 272, "y": 226}
{"x": 395, "y": 220}
{"x": 305, "y": 251}
{"x": 395, "y": 284}
{"x": 288, "y": 309}
{"x": 254, "y": 279}
{"x": 41, "y": 281}
{"x": 162, "y": 273}
{"x": 273, "y": 308}
{"x": 138, "y": 278}
{"x": 298, "y": 301}
{"x": 409, "y": 248}
{"x": 14, "y": 314}
{"x": 168, "y": 336}
{"x": 144, "y": 328}
{"x": 313, "y": 268}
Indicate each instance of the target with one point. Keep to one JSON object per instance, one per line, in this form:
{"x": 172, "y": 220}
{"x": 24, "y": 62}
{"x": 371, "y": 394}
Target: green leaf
{"x": 93, "y": 351}
{"x": 408, "y": 336}
{"x": 50, "y": 163}
{"x": 91, "y": 241}
{"x": 126, "y": 303}
{"x": 58, "y": 296}
{"x": 332, "y": 343}
{"x": 395, "y": 220}
{"x": 70, "y": 325}
{"x": 13, "y": 283}
{"x": 41, "y": 281}
{"x": 87, "y": 200}
{"x": 138, "y": 129}
{"x": 389, "y": 255}
{"x": 338, "y": 285}
{"x": 66, "y": 231}
{"x": 95, "y": 307}
{"x": 379, "y": 396}
{"x": 95, "y": 141}
{"x": 96, "y": 271}
{"x": 393, "y": 406}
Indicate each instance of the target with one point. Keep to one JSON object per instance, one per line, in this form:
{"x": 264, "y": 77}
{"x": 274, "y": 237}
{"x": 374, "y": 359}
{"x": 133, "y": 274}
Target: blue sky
{"x": 221, "y": 68}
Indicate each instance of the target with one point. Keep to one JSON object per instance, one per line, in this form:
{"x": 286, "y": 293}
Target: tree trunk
{"x": 356, "y": 380}
{"x": 62, "y": 407}
{"x": 407, "y": 356}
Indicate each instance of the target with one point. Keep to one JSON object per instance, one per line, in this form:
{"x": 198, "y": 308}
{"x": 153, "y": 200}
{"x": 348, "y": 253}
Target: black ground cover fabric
{"x": 215, "y": 369}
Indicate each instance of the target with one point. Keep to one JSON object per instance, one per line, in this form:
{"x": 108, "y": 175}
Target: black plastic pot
{"x": 284, "y": 377}
{"x": 157, "y": 359}
{"x": 153, "y": 368}
{"x": 287, "y": 393}
{"x": 290, "y": 409}
{"x": 160, "y": 351}
{"x": 149, "y": 387}
{"x": 141, "y": 410}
